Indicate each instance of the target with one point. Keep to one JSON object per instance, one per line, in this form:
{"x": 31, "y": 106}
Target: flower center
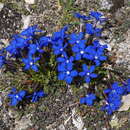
{"x": 88, "y": 74}
{"x": 61, "y": 49}
{"x": 114, "y": 91}
{"x": 68, "y": 72}
{"x": 67, "y": 61}
{"x": 77, "y": 41}
{"x": 96, "y": 57}
{"x": 31, "y": 63}
{"x": 17, "y": 96}
{"x": 81, "y": 52}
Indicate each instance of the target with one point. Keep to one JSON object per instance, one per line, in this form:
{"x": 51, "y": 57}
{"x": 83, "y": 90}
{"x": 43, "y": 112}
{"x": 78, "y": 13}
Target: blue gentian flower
{"x": 97, "y": 16}
{"x": 30, "y": 31}
{"x": 20, "y": 42}
{"x": 16, "y": 97}
{"x": 88, "y": 100}
{"x": 17, "y": 43}
{"x": 92, "y": 30}
{"x": 83, "y": 17}
{"x": 66, "y": 72}
{"x": 44, "y": 41}
{"x": 2, "y": 58}
{"x": 97, "y": 45}
{"x": 116, "y": 89}
{"x": 96, "y": 55}
{"x": 113, "y": 100}
{"x": 80, "y": 51}
{"x": 126, "y": 86}
{"x": 33, "y": 48}
{"x": 2, "y": 61}
{"x": 37, "y": 95}
{"x": 76, "y": 38}
{"x": 59, "y": 48}
{"x": 65, "y": 59}
{"x": 111, "y": 107}
{"x": 88, "y": 73}
{"x": 30, "y": 63}
{"x": 12, "y": 49}
{"x": 60, "y": 34}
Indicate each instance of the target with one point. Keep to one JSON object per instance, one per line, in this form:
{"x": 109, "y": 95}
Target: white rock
{"x": 126, "y": 103}
{"x": 61, "y": 127}
{"x": 114, "y": 121}
{"x": 105, "y": 4}
{"x": 77, "y": 120}
{"x": 1, "y": 6}
{"x": 23, "y": 124}
{"x": 30, "y": 1}
{"x": 26, "y": 21}
{"x": 0, "y": 101}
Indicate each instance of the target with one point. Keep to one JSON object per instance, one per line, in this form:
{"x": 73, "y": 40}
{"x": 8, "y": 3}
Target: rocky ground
{"x": 60, "y": 111}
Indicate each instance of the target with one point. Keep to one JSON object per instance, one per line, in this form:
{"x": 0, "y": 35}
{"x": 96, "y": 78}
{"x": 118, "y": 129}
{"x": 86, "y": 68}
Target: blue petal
{"x": 27, "y": 67}
{"x": 35, "y": 68}
{"x": 82, "y": 45}
{"x": 96, "y": 15}
{"x": 14, "y": 102}
{"x": 87, "y": 79}
{"x": 69, "y": 66}
{"x": 102, "y": 58}
{"x": 68, "y": 79}
{"x": 82, "y": 100}
{"x": 11, "y": 95}
{"x": 61, "y": 67}
{"x": 61, "y": 76}
{"x": 89, "y": 29}
{"x": 85, "y": 67}
{"x": 82, "y": 74}
{"x": 97, "y": 62}
{"x": 22, "y": 93}
{"x": 75, "y": 49}
{"x": 93, "y": 75}
{"x": 36, "y": 59}
{"x": 78, "y": 56}
{"x": 13, "y": 90}
{"x": 40, "y": 93}
{"x": 74, "y": 73}
{"x": 60, "y": 59}
{"x": 92, "y": 68}
{"x": 88, "y": 56}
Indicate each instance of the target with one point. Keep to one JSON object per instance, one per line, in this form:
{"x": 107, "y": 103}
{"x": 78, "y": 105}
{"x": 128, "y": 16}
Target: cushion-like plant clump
{"x": 78, "y": 55}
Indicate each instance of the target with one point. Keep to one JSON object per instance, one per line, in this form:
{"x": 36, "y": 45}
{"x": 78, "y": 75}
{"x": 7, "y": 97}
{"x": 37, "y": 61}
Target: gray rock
{"x": 1, "y": 6}
{"x": 1, "y": 101}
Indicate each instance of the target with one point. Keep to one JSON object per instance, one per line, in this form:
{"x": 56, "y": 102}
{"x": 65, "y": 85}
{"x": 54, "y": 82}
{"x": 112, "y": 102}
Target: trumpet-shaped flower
{"x": 44, "y": 41}
{"x": 30, "y": 31}
{"x": 66, "y": 72}
{"x": 83, "y": 17}
{"x": 88, "y": 100}
{"x": 2, "y": 58}
{"x": 93, "y": 30}
{"x": 37, "y": 95}
{"x": 88, "y": 73}
{"x": 80, "y": 51}
{"x": 97, "y": 45}
{"x": 33, "y": 48}
{"x": 77, "y": 38}
{"x": 96, "y": 55}
{"x": 16, "y": 97}
{"x": 60, "y": 34}
{"x": 30, "y": 63}
{"x": 59, "y": 48}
